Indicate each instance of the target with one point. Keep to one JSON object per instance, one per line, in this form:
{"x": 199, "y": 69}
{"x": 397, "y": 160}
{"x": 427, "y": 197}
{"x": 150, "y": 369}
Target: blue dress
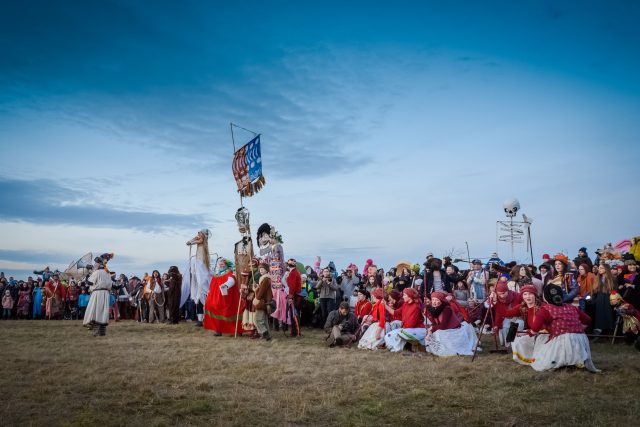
{"x": 37, "y": 303}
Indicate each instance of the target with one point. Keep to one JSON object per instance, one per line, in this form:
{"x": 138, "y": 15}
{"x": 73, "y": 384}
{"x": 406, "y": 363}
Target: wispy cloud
{"x": 48, "y": 202}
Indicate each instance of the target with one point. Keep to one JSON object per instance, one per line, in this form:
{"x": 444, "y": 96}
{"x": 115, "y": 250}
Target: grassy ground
{"x": 55, "y": 373}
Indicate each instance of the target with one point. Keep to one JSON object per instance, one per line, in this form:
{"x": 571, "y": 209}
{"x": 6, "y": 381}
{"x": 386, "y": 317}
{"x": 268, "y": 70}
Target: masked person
{"x": 221, "y": 313}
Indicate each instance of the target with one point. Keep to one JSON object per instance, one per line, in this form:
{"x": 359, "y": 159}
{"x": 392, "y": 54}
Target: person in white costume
{"x": 97, "y": 312}
{"x": 197, "y": 276}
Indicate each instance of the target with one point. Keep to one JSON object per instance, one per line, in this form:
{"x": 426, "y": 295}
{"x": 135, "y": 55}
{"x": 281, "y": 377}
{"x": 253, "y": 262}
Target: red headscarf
{"x": 377, "y": 293}
{"x": 440, "y": 296}
{"x": 528, "y": 288}
{"x": 502, "y": 287}
{"x": 412, "y": 293}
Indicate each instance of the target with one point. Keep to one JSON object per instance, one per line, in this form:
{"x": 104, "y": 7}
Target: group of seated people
{"x": 543, "y": 321}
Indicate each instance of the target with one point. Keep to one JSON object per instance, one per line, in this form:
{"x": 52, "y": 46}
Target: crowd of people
{"x": 542, "y": 313}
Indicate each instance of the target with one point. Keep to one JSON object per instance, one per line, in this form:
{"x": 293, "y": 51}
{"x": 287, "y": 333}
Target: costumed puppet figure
{"x": 197, "y": 275}
{"x": 629, "y": 317}
{"x": 243, "y": 252}
{"x": 221, "y": 307}
{"x": 270, "y": 245}
{"x": 104, "y": 260}
{"x": 566, "y": 344}
{"x": 97, "y": 311}
{"x": 245, "y": 269}
{"x": 447, "y": 336}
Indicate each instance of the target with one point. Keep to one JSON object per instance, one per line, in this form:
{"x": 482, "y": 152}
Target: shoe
{"x": 198, "y": 324}
{"x": 217, "y": 334}
{"x": 266, "y": 336}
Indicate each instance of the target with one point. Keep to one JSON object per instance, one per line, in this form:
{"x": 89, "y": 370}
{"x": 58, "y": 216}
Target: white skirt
{"x": 395, "y": 340}
{"x": 453, "y": 342}
{"x": 368, "y": 340}
{"x": 523, "y": 347}
{"x": 563, "y": 350}
{"x": 98, "y": 308}
{"x": 198, "y": 288}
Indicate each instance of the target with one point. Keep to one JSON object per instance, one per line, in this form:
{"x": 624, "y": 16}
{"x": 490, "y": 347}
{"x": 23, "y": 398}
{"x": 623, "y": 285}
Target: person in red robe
{"x": 294, "y": 298}
{"x": 363, "y": 306}
{"x": 221, "y": 314}
{"x": 56, "y": 294}
{"x": 503, "y": 300}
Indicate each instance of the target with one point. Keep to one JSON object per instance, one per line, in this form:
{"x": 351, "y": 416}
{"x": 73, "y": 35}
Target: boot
{"x": 103, "y": 330}
{"x": 266, "y": 336}
{"x": 596, "y": 332}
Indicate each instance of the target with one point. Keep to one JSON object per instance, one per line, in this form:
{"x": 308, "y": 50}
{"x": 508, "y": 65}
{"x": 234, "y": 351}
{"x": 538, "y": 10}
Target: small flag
{"x": 247, "y": 168}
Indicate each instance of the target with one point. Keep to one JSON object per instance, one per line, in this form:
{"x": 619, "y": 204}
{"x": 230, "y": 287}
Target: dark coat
{"x": 427, "y": 285}
{"x": 349, "y": 322}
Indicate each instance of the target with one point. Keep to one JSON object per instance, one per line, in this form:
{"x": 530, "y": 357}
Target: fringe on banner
{"x": 252, "y": 188}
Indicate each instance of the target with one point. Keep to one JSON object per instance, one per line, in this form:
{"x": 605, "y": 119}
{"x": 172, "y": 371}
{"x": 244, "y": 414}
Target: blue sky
{"x": 387, "y": 130}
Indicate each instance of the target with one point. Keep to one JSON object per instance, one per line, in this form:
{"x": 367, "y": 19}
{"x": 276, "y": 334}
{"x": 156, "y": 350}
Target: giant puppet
{"x": 195, "y": 281}
{"x": 245, "y": 270}
{"x": 247, "y": 172}
{"x": 271, "y": 253}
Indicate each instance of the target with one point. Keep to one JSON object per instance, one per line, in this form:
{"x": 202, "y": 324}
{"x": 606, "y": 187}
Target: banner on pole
{"x": 247, "y": 168}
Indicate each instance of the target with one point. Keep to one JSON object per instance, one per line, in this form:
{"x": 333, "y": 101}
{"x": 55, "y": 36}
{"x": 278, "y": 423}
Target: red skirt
{"x": 221, "y": 311}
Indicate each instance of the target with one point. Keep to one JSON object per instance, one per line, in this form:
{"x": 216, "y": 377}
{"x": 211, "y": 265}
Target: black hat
{"x": 553, "y": 294}
{"x": 364, "y": 292}
{"x": 583, "y": 249}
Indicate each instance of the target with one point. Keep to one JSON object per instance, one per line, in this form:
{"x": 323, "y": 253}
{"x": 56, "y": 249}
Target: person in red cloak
{"x": 56, "y": 294}
{"x": 221, "y": 313}
{"x": 503, "y": 300}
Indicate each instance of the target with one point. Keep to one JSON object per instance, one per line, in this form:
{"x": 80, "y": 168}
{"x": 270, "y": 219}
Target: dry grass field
{"x": 56, "y": 373}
